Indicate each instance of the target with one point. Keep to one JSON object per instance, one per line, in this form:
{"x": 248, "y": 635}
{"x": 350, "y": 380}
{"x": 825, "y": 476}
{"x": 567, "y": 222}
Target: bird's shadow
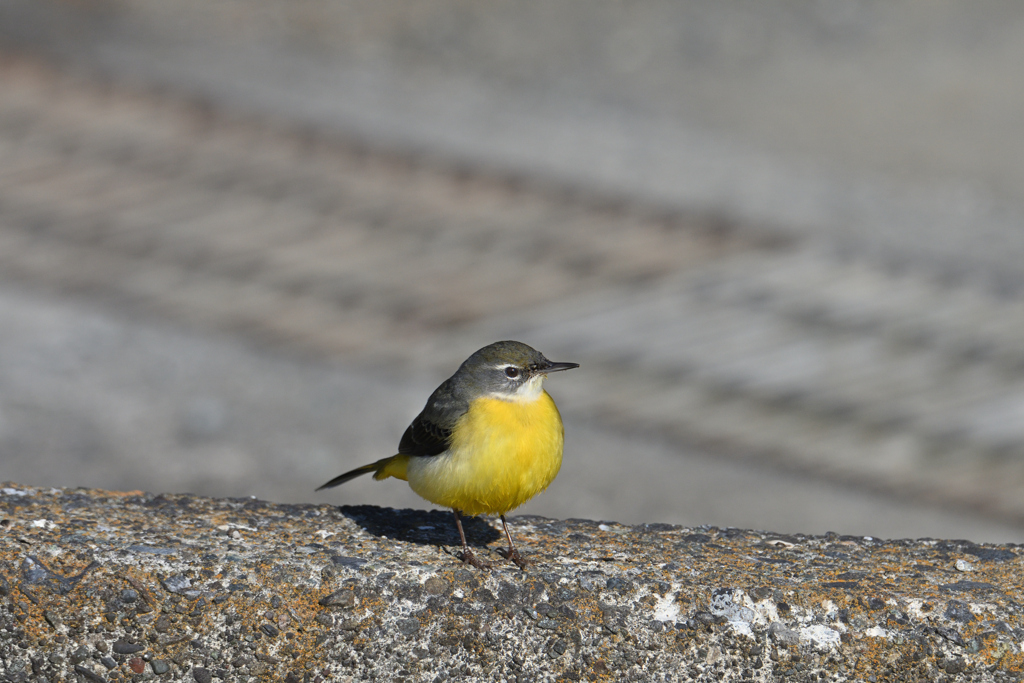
{"x": 425, "y": 527}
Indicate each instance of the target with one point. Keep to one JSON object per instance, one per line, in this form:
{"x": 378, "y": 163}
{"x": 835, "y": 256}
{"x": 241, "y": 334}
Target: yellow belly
{"x": 503, "y": 453}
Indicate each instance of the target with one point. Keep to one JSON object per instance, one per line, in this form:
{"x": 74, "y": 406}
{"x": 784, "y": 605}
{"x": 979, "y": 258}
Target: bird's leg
{"x": 467, "y": 555}
{"x": 512, "y": 553}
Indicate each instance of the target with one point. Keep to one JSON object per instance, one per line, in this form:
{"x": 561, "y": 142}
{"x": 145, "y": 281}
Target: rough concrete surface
{"x": 100, "y": 586}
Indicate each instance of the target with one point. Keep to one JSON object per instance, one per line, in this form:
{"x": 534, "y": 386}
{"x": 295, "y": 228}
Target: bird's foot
{"x": 469, "y": 558}
{"x": 514, "y": 556}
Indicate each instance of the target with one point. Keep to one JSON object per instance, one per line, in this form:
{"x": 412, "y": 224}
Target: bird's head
{"x": 509, "y": 370}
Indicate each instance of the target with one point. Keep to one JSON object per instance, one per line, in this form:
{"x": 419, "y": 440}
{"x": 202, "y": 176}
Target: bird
{"x": 489, "y": 439}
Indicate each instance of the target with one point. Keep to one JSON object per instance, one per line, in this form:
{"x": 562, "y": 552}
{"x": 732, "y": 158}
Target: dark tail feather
{"x": 357, "y": 472}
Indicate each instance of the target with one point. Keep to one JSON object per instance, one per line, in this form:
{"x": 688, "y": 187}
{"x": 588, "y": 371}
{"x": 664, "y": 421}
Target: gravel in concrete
{"x": 235, "y": 588}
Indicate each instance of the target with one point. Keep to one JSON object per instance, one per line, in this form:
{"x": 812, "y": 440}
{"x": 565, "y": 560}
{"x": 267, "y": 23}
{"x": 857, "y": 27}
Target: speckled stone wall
{"x": 106, "y": 586}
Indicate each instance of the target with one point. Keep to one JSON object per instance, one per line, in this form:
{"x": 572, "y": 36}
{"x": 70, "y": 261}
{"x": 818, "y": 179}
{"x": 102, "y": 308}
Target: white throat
{"x": 527, "y": 392}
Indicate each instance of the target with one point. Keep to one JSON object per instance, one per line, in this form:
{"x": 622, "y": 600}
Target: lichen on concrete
{"x": 98, "y": 585}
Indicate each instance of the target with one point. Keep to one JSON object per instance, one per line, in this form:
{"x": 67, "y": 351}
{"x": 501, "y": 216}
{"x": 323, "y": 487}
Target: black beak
{"x": 557, "y": 367}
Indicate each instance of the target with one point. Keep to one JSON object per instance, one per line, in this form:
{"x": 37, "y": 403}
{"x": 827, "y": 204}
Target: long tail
{"x": 382, "y": 469}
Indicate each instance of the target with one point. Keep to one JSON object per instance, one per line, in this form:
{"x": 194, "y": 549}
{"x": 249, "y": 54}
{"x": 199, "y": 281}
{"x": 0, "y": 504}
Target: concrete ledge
{"x": 98, "y": 585}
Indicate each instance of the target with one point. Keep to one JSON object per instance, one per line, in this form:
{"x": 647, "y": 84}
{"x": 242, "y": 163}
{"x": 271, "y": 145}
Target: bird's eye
{"x": 511, "y": 373}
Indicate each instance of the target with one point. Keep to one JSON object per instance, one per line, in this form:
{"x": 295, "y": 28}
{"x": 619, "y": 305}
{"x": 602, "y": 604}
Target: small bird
{"x": 489, "y": 439}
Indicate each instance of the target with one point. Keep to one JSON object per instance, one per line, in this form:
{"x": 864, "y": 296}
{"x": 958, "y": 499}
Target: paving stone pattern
{"x": 303, "y": 240}
{"x": 849, "y": 370}
{"x": 689, "y": 326}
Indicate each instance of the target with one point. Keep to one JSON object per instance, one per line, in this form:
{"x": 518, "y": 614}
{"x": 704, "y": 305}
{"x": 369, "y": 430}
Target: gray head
{"x": 507, "y": 369}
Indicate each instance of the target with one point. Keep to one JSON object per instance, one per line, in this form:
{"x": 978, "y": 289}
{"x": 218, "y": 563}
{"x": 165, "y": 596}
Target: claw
{"x": 469, "y": 558}
{"x": 513, "y": 555}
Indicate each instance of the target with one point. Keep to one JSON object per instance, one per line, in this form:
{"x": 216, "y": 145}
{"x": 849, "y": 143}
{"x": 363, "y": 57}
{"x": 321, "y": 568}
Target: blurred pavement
{"x": 92, "y": 399}
{"x": 784, "y": 242}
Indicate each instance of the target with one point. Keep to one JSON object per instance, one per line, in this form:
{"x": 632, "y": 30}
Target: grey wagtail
{"x": 489, "y": 439}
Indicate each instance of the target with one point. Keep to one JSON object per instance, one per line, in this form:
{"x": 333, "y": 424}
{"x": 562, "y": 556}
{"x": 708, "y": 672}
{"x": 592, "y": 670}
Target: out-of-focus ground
{"x": 240, "y": 242}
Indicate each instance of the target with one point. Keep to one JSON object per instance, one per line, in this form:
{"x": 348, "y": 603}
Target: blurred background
{"x": 241, "y": 241}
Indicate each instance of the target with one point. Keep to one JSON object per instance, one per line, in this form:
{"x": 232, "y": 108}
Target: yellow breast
{"x": 503, "y": 453}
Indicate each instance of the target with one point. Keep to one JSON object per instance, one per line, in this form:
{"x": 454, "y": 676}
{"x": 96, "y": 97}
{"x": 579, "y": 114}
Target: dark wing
{"x": 431, "y": 432}
{"x": 424, "y": 438}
